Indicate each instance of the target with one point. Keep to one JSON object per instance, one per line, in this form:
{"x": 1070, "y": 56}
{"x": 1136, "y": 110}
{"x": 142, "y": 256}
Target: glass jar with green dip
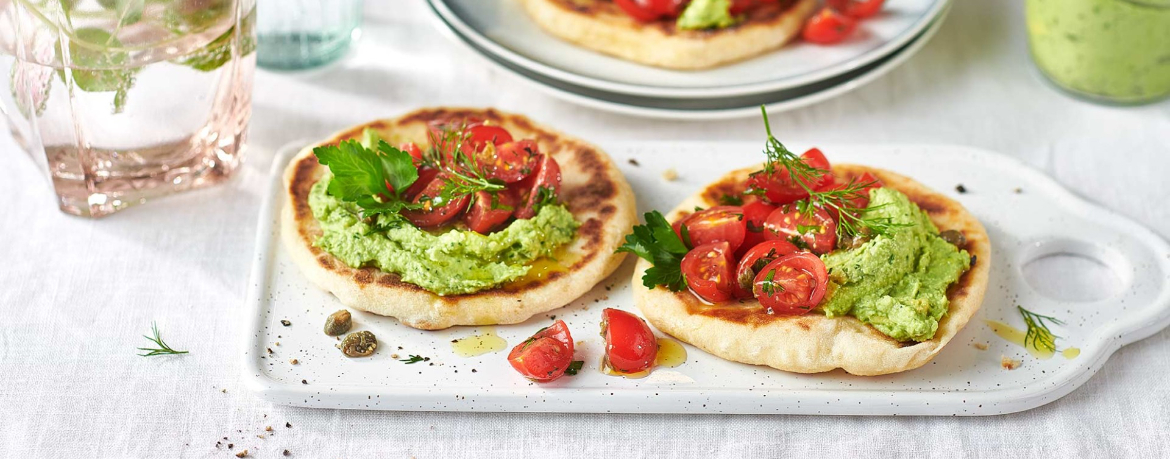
{"x": 1115, "y": 51}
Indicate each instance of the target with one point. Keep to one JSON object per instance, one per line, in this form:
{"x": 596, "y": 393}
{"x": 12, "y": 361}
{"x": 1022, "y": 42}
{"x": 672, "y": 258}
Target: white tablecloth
{"x": 77, "y": 294}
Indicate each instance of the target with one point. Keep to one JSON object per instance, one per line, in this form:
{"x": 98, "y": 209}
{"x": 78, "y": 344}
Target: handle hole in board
{"x": 1076, "y": 271}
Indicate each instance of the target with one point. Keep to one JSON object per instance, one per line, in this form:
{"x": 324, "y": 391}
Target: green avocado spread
{"x": 449, "y": 262}
{"x": 898, "y": 282}
{"x": 706, "y": 14}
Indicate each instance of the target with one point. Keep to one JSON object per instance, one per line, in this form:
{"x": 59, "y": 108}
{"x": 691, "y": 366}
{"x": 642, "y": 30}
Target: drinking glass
{"x": 1112, "y": 51}
{"x": 124, "y": 100}
{"x": 300, "y": 34}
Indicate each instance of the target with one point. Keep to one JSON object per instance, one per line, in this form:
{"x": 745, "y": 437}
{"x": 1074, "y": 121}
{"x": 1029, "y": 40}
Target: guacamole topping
{"x": 897, "y": 282}
{"x": 706, "y": 14}
{"x": 449, "y": 262}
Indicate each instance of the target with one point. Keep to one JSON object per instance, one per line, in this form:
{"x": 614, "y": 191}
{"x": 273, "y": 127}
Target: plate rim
{"x": 453, "y": 21}
{"x": 912, "y": 48}
{"x": 904, "y": 402}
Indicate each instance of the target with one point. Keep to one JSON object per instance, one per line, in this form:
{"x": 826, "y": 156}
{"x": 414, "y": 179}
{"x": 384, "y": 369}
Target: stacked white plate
{"x": 794, "y": 76}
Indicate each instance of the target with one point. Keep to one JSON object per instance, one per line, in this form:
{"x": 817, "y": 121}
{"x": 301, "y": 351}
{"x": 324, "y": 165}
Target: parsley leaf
{"x": 657, "y": 243}
{"x": 574, "y": 367}
{"x": 360, "y": 175}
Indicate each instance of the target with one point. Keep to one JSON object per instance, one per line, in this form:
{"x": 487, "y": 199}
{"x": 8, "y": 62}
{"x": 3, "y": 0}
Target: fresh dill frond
{"x": 463, "y": 174}
{"x": 1038, "y": 335}
{"x": 778, "y": 155}
{"x": 162, "y": 349}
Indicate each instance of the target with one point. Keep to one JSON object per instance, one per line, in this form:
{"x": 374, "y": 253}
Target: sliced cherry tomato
{"x": 630, "y": 346}
{"x": 717, "y": 224}
{"x": 560, "y": 331}
{"x": 651, "y": 10}
{"x": 828, "y": 27}
{"x": 779, "y": 186}
{"x": 857, "y": 9}
{"x": 755, "y": 260}
{"x": 479, "y": 135}
{"x": 742, "y": 6}
{"x": 488, "y": 211}
{"x": 819, "y": 232}
{"x": 547, "y": 175}
{"x": 425, "y": 176}
{"x": 541, "y": 358}
{"x": 709, "y": 272}
{"x": 755, "y": 213}
{"x": 792, "y": 284}
{"x": 434, "y": 213}
{"x": 413, "y": 150}
{"x": 512, "y": 161}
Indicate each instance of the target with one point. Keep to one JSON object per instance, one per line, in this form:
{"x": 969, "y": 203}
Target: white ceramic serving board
{"x": 1041, "y": 219}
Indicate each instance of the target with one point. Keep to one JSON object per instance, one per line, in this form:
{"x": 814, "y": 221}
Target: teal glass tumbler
{"x": 302, "y": 34}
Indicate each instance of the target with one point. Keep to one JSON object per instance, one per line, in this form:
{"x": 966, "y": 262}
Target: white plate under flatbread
{"x": 602, "y": 26}
{"x": 592, "y": 188}
{"x": 814, "y": 343}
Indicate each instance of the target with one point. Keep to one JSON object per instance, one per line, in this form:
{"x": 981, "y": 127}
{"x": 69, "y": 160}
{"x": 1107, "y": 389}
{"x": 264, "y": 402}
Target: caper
{"x": 338, "y": 323}
{"x": 747, "y": 278}
{"x": 955, "y": 237}
{"x": 359, "y": 344}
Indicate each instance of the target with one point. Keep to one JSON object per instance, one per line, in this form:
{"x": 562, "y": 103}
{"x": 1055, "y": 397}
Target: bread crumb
{"x": 394, "y": 356}
{"x": 294, "y": 361}
{"x": 670, "y": 175}
{"x": 980, "y": 346}
{"x": 268, "y": 428}
{"x": 1008, "y": 363}
{"x": 243, "y": 453}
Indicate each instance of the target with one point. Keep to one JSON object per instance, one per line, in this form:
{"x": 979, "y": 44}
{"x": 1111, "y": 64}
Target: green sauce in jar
{"x": 1112, "y": 50}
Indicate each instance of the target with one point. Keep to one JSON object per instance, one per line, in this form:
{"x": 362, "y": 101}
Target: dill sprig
{"x": 463, "y": 174}
{"x": 162, "y": 349}
{"x": 850, "y": 221}
{"x": 1038, "y": 334}
{"x": 799, "y": 171}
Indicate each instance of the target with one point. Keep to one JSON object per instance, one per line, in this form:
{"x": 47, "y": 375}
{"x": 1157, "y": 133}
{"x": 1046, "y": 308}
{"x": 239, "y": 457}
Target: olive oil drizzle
{"x": 475, "y": 345}
{"x": 1018, "y": 337}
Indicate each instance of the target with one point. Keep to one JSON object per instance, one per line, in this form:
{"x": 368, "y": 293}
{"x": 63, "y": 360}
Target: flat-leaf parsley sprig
{"x": 162, "y": 349}
{"x": 361, "y": 175}
{"x": 657, "y": 243}
{"x": 1039, "y": 336}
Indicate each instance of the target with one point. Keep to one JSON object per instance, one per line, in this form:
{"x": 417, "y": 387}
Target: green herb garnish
{"x": 657, "y": 243}
{"x": 414, "y": 359}
{"x": 1038, "y": 335}
{"x": 361, "y": 175}
{"x": 463, "y": 174}
{"x": 574, "y": 367}
{"x": 162, "y": 349}
{"x": 731, "y": 200}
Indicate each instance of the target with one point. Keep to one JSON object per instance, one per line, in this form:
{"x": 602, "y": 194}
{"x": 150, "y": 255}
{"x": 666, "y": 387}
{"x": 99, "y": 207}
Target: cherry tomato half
{"x": 742, "y": 6}
{"x": 488, "y": 211}
{"x": 819, "y": 232}
{"x": 435, "y": 213}
{"x": 792, "y": 284}
{"x": 650, "y": 10}
{"x": 425, "y": 176}
{"x": 779, "y": 186}
{"x": 717, "y": 224}
{"x": 479, "y": 135}
{"x": 857, "y": 9}
{"x": 709, "y": 273}
{"x": 630, "y": 346}
{"x": 546, "y": 174}
{"x": 512, "y": 161}
{"x": 754, "y": 215}
{"x": 546, "y": 355}
{"x": 413, "y": 150}
{"x": 755, "y": 260}
{"x": 828, "y": 27}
